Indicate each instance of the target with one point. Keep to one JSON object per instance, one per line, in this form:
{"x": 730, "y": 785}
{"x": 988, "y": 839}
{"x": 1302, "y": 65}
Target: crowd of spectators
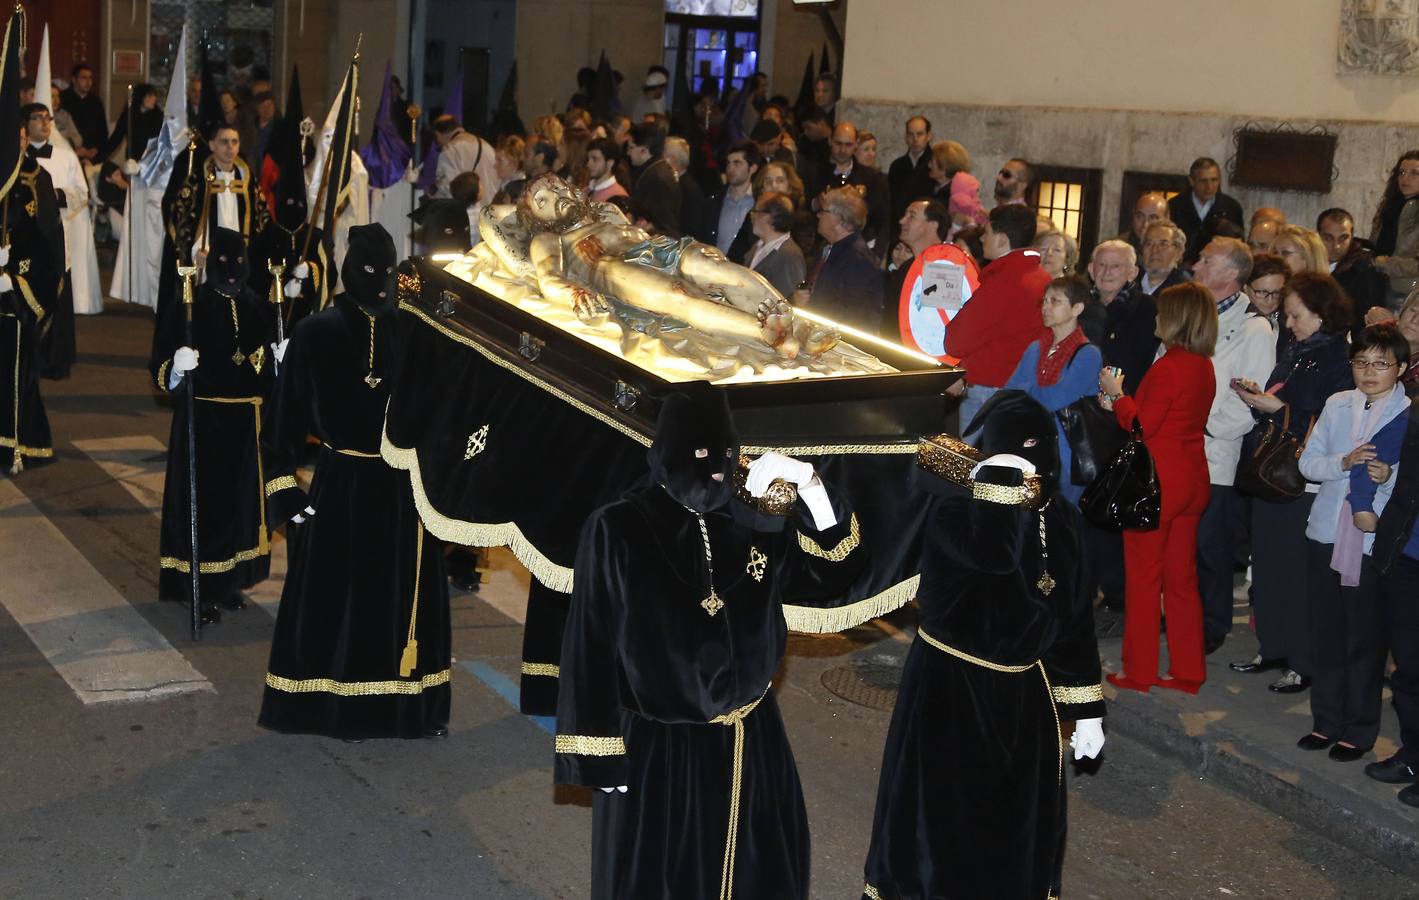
{"x": 1199, "y": 328}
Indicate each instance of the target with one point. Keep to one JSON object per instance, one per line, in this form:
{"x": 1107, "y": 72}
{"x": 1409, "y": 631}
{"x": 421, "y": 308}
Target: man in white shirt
{"x": 1246, "y": 348}
{"x": 460, "y": 151}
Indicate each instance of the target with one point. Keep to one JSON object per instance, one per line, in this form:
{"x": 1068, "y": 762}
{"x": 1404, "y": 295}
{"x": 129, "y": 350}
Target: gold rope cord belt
{"x": 358, "y": 454}
{"x": 997, "y": 667}
{"x": 731, "y": 840}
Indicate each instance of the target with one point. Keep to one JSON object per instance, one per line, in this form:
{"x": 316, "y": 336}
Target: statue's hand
{"x": 588, "y": 304}
{"x": 776, "y": 326}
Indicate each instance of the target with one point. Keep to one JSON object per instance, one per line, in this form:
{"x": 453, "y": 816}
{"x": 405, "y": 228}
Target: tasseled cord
{"x": 410, "y": 658}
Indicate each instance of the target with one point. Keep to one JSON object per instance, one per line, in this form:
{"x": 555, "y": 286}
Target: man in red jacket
{"x": 991, "y": 332}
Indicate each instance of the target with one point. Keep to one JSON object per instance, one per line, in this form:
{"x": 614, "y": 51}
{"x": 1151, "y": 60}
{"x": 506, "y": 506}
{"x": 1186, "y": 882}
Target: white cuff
{"x": 815, "y": 497}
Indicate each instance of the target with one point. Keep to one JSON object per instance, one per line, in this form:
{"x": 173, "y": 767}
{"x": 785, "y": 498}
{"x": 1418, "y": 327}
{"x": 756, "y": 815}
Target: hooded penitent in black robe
{"x": 232, "y": 333}
{"x": 674, "y": 701}
{"x": 362, "y": 645}
{"x": 284, "y": 241}
{"x": 31, "y": 225}
{"x": 971, "y": 798}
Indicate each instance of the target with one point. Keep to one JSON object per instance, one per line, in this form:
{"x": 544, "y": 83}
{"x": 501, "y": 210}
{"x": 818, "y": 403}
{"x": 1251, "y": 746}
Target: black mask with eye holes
{"x": 290, "y": 197}
{"x": 368, "y": 271}
{"x": 227, "y": 265}
{"x": 1014, "y": 422}
{"x": 694, "y": 441}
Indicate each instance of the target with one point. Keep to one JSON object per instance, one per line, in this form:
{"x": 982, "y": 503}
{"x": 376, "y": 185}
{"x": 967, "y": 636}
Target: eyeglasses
{"x": 1266, "y": 295}
{"x": 1408, "y": 173}
{"x": 1378, "y": 365}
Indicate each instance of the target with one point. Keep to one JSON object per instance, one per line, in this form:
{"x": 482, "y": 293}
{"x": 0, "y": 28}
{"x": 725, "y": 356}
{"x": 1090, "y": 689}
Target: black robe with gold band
{"x": 232, "y": 336}
{"x": 188, "y": 201}
{"x": 971, "y": 798}
{"x": 362, "y": 643}
{"x": 35, "y": 267}
{"x": 662, "y": 695}
{"x": 276, "y": 244}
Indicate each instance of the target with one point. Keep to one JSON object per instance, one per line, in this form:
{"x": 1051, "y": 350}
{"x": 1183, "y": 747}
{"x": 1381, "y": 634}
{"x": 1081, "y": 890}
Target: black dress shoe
{"x": 466, "y": 581}
{"x": 235, "y": 602}
{"x": 1393, "y": 771}
{"x": 1341, "y": 753}
{"x": 1410, "y": 795}
{"x": 1314, "y": 742}
{"x": 435, "y": 734}
{"x": 1291, "y": 683}
{"x": 1212, "y": 645}
{"x": 211, "y": 615}
{"x": 1258, "y": 664}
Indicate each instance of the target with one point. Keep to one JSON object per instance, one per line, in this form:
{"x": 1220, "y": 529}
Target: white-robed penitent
{"x": 70, "y": 179}
{"x": 390, "y": 207}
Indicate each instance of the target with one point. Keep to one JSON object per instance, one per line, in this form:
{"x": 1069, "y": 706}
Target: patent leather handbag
{"x": 1273, "y": 471}
{"x": 1126, "y": 495}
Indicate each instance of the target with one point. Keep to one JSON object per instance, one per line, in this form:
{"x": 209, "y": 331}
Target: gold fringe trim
{"x": 838, "y": 553}
{"x": 974, "y": 660}
{"x": 276, "y": 485}
{"x": 833, "y": 449}
{"x": 163, "y": 376}
{"x": 1006, "y": 495}
{"x": 813, "y": 620}
{"x": 517, "y": 370}
{"x": 547, "y": 670}
{"x": 1085, "y": 694}
{"x": 36, "y": 452}
{"x": 213, "y": 568}
{"x": 474, "y": 534}
{"x": 355, "y": 688}
{"x": 586, "y": 745}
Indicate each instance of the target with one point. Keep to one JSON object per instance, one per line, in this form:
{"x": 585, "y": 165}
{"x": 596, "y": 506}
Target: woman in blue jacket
{"x": 1062, "y": 366}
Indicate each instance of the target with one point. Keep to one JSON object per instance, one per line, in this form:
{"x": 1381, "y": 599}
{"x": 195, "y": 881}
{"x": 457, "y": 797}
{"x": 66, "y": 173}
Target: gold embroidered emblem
{"x": 1045, "y": 584}
{"x": 258, "y": 359}
{"x": 757, "y": 563}
{"x": 712, "y": 603}
{"x": 24, "y": 266}
{"x": 373, "y": 380}
{"x": 477, "y": 443}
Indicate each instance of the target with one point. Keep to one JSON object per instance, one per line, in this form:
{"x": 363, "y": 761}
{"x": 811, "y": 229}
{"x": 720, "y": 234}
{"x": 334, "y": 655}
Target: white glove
{"x": 130, "y": 168}
{"x": 1088, "y": 738}
{"x": 302, "y": 270}
{"x": 183, "y": 361}
{"x": 293, "y": 289}
{"x": 279, "y": 350}
{"x": 772, "y": 466}
{"x": 300, "y": 517}
{"x": 1007, "y": 460}
{"x": 620, "y": 789}
{"x": 5, "y": 255}
{"x": 6, "y": 285}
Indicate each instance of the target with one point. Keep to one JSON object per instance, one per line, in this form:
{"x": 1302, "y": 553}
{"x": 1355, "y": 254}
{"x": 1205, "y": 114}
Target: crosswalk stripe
{"x": 137, "y": 463}
{"x": 87, "y": 631}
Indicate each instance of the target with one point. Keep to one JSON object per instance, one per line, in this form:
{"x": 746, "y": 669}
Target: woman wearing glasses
{"x": 1309, "y": 368}
{"x": 1395, "y": 231}
{"x": 1351, "y": 433}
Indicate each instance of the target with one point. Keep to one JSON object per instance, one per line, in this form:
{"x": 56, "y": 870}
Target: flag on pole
{"x": 330, "y": 182}
{"x": 158, "y": 157}
{"x": 386, "y": 156}
{"x": 11, "y": 155}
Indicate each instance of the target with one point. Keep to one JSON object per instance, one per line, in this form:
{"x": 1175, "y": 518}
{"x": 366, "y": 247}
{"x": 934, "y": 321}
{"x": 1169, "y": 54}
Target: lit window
{"x": 1063, "y": 203}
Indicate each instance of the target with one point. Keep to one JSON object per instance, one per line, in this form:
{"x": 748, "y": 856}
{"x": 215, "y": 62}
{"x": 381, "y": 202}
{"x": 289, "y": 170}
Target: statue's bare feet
{"x": 817, "y": 339}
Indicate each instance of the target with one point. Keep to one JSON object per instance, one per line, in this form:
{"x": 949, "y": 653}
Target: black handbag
{"x": 1094, "y": 438}
{"x": 1273, "y": 470}
{"x": 1126, "y": 496}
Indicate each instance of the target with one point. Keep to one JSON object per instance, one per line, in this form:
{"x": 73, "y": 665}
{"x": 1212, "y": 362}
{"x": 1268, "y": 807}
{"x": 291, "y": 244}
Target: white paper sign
{"x": 942, "y": 285}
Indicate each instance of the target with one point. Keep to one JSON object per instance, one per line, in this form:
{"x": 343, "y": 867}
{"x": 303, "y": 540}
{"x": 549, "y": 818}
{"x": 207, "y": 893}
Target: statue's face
{"x": 556, "y": 204}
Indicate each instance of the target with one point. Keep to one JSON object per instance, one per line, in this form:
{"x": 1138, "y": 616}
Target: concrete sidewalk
{"x": 1239, "y": 734}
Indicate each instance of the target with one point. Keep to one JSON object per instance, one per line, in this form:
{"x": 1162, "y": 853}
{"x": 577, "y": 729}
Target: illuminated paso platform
{"x": 515, "y": 419}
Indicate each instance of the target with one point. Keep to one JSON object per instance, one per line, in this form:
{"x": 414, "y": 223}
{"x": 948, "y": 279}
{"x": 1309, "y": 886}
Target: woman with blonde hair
{"x": 1171, "y": 410}
{"x": 782, "y": 178}
{"x": 1302, "y": 249}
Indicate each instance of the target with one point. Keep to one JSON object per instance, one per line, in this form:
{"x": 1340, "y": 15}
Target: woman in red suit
{"x": 1173, "y": 401}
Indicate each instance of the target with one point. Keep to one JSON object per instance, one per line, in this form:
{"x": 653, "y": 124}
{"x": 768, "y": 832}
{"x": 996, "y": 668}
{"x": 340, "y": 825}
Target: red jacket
{"x": 991, "y": 332}
{"x": 1173, "y": 402}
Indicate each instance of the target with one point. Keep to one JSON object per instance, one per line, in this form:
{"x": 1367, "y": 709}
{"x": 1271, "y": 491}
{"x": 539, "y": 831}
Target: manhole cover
{"x": 867, "y": 684}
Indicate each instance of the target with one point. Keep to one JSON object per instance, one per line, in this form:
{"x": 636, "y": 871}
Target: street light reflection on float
{"x": 856, "y": 335}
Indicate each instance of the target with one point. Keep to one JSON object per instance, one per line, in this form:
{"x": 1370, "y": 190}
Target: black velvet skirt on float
{"x": 362, "y": 644}
{"x": 971, "y": 797}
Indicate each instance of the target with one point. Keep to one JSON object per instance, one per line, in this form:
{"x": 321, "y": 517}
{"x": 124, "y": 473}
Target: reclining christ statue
{"x": 585, "y": 255}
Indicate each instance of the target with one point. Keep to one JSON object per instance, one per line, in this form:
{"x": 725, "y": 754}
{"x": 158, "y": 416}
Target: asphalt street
{"x": 171, "y": 789}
